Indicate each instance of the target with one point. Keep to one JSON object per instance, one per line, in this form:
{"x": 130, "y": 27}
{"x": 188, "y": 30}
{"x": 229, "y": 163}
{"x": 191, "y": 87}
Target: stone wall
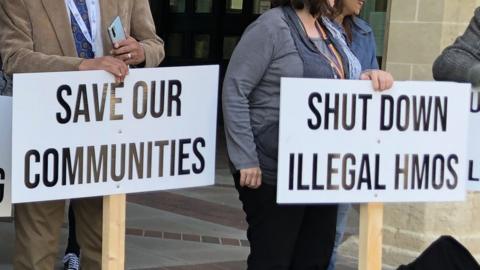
{"x": 417, "y": 33}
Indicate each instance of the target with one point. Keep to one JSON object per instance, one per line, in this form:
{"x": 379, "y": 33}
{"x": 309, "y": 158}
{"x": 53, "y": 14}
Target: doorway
{"x": 201, "y": 32}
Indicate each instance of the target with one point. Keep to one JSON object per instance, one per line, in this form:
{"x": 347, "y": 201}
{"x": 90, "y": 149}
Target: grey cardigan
{"x": 272, "y": 47}
{"x": 456, "y": 60}
{"x": 251, "y": 88}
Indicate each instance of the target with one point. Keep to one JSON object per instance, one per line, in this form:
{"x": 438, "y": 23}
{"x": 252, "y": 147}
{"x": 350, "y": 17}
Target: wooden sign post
{"x": 113, "y": 246}
{"x": 370, "y": 242}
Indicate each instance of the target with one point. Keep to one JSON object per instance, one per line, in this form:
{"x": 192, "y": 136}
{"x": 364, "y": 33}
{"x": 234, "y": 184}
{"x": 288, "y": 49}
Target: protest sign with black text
{"x": 78, "y": 134}
{"x": 474, "y": 142}
{"x": 342, "y": 142}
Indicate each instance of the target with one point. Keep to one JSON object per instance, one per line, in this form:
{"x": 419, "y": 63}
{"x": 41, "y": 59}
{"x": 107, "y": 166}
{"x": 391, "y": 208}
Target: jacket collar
{"x": 295, "y": 23}
{"x": 109, "y": 9}
{"x": 293, "y": 20}
{"x": 57, "y": 13}
{"x": 361, "y": 25}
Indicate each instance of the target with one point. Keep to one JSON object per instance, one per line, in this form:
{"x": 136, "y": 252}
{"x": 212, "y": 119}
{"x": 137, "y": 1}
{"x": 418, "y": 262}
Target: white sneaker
{"x": 71, "y": 262}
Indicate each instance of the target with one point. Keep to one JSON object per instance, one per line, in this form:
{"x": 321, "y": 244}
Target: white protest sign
{"x": 342, "y": 142}
{"x": 474, "y": 142}
{"x": 5, "y": 156}
{"x": 77, "y": 134}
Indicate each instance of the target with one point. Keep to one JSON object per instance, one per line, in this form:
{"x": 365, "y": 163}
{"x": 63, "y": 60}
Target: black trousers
{"x": 286, "y": 237}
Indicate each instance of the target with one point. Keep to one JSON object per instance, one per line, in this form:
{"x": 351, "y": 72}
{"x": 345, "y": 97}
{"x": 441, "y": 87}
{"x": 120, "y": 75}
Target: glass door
{"x": 374, "y": 12}
{"x": 198, "y": 32}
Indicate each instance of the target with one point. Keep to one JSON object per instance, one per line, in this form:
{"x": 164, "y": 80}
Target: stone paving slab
{"x": 220, "y": 194}
{"x": 144, "y": 253}
{"x": 144, "y": 217}
{"x": 192, "y": 207}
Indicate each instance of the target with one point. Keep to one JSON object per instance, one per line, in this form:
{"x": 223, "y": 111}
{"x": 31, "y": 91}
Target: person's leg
{"x": 72, "y": 244}
{"x": 37, "y": 229}
{"x": 71, "y": 259}
{"x": 272, "y": 229}
{"x": 88, "y": 218}
{"x": 317, "y": 235}
{"x": 342, "y": 217}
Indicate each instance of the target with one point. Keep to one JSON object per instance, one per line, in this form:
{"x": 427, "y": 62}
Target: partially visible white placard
{"x": 5, "y": 156}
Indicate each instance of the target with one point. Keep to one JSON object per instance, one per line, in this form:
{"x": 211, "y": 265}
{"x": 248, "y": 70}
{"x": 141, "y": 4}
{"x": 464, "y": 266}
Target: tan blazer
{"x": 36, "y": 36}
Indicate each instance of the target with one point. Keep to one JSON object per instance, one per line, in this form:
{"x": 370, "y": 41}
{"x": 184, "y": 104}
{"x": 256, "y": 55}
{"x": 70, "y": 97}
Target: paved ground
{"x": 192, "y": 229}
{"x": 195, "y": 237}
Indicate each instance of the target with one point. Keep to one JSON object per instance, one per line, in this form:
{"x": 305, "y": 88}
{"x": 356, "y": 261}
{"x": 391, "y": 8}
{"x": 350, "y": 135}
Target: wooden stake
{"x": 370, "y": 242}
{"x": 113, "y": 247}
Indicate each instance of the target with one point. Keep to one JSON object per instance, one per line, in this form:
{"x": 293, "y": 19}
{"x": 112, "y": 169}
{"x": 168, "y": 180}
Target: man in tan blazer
{"x": 37, "y": 36}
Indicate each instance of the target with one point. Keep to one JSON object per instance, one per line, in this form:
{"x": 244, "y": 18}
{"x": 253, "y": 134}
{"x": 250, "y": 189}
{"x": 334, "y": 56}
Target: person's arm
{"x": 17, "y": 48}
{"x": 19, "y": 55}
{"x": 143, "y": 30}
{"x": 248, "y": 63}
{"x": 456, "y": 60}
{"x": 381, "y": 80}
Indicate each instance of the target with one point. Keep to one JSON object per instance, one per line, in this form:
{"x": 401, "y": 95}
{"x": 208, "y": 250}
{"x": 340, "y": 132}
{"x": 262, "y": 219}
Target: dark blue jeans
{"x": 342, "y": 217}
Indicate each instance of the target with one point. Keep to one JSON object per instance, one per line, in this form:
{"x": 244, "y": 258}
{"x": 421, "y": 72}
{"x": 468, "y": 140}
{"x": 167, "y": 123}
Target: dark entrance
{"x": 202, "y": 32}
{"x": 198, "y": 32}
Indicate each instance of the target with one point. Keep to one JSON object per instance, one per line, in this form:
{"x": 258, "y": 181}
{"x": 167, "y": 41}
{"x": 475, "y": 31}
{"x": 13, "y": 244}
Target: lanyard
{"x": 337, "y": 65}
{"x": 92, "y": 8}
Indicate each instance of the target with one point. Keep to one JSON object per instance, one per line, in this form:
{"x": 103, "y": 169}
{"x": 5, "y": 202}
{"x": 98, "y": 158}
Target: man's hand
{"x": 251, "y": 177}
{"x": 381, "y": 80}
{"x": 129, "y": 51}
{"x": 110, "y": 64}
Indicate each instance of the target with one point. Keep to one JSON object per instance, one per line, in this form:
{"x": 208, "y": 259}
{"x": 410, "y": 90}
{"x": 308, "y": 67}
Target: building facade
{"x": 417, "y": 32}
{"x": 410, "y": 34}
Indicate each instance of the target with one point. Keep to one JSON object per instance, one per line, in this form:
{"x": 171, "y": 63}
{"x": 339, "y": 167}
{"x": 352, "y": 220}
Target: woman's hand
{"x": 251, "y": 177}
{"x": 381, "y": 80}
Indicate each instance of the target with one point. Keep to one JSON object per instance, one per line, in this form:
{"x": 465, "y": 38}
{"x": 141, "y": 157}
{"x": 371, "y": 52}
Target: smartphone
{"x": 116, "y": 31}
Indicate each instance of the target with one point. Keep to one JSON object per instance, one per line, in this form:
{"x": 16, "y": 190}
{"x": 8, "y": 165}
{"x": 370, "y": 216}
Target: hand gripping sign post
{"x": 77, "y": 134}
{"x": 341, "y": 142}
{"x": 5, "y": 156}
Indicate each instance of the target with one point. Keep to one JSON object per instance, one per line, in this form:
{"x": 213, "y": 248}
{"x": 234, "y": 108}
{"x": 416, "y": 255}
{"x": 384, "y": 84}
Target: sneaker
{"x": 71, "y": 262}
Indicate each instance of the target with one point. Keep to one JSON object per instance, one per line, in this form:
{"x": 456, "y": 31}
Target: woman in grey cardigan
{"x": 290, "y": 40}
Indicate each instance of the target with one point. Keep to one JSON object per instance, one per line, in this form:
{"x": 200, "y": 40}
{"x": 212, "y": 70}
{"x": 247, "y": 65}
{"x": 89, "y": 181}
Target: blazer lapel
{"x": 109, "y": 9}
{"x": 57, "y": 13}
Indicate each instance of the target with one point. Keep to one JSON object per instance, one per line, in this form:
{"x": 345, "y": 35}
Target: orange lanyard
{"x": 337, "y": 65}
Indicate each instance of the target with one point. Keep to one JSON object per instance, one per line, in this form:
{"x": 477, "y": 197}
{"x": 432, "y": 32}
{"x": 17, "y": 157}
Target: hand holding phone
{"x": 125, "y": 47}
